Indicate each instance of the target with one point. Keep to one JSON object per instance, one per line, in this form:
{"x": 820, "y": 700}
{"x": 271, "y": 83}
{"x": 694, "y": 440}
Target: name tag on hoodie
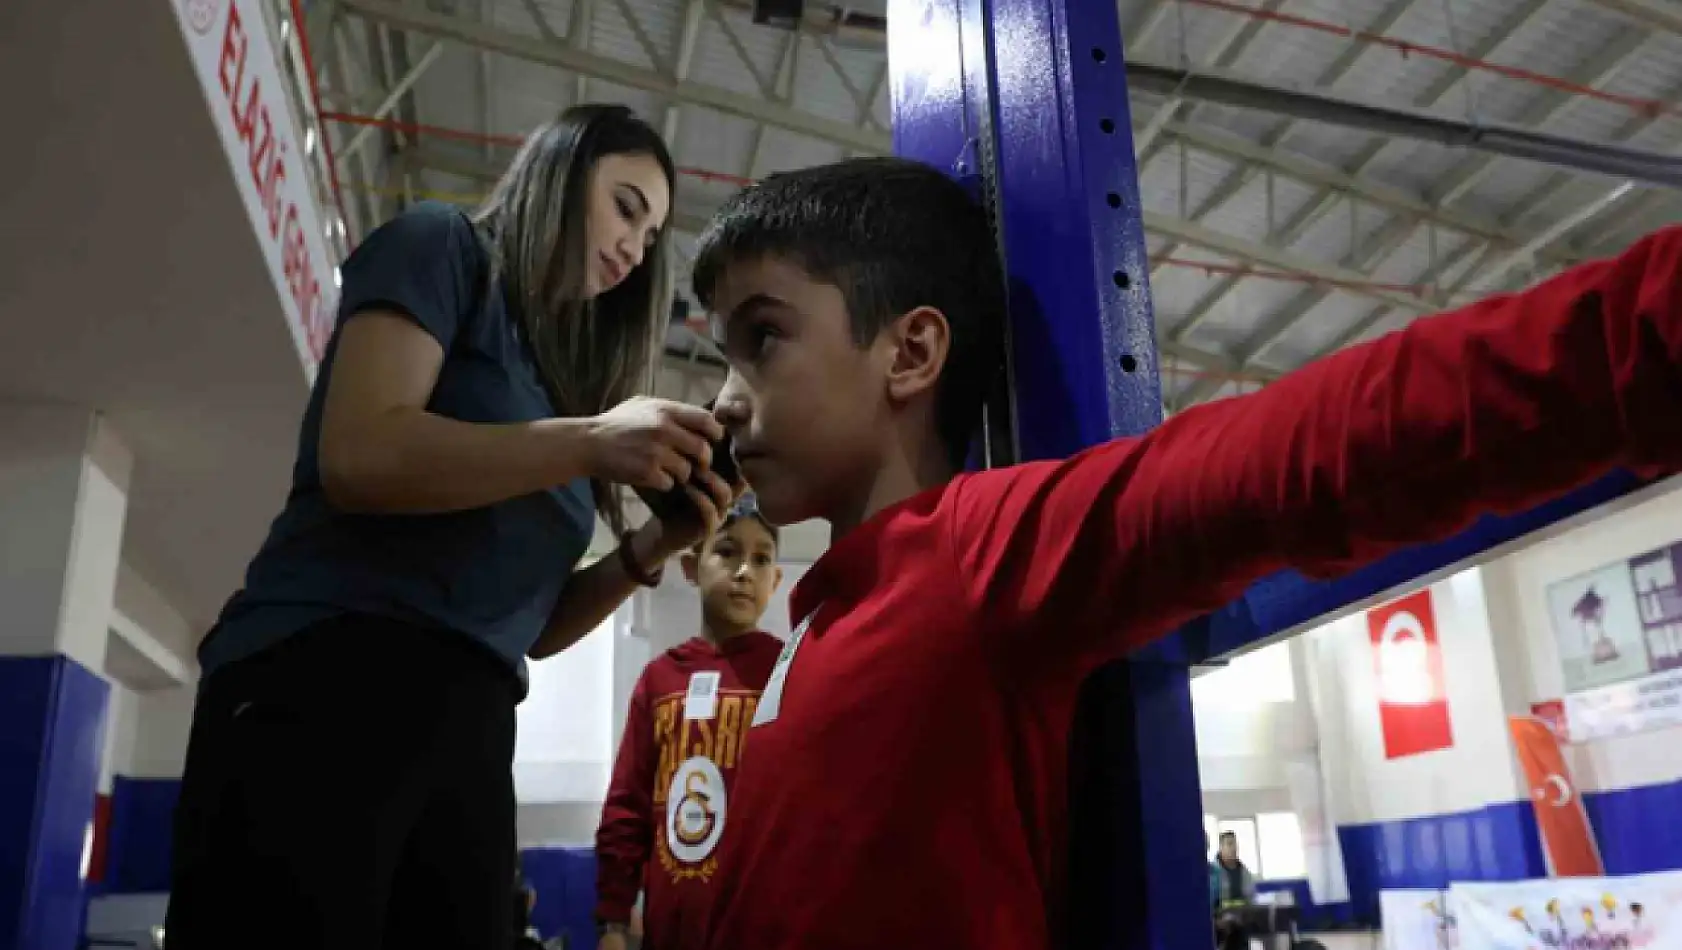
{"x": 701, "y": 702}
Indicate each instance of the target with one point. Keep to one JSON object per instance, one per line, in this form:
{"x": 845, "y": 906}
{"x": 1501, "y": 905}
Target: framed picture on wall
{"x": 1597, "y": 627}
{"x": 1658, "y": 599}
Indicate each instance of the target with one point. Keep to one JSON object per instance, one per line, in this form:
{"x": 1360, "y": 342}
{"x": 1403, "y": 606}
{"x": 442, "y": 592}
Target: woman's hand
{"x": 657, "y": 540}
{"x": 651, "y": 443}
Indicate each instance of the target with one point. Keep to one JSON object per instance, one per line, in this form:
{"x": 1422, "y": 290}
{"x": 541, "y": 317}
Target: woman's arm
{"x": 1496, "y": 407}
{"x": 596, "y": 591}
{"x": 381, "y": 451}
{"x": 590, "y": 596}
{"x": 409, "y": 288}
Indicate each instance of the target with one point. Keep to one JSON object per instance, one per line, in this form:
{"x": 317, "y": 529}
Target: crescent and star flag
{"x": 1567, "y": 836}
{"x": 1412, "y": 695}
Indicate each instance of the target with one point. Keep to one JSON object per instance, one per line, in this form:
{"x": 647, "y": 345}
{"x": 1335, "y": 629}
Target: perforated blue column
{"x": 1029, "y": 99}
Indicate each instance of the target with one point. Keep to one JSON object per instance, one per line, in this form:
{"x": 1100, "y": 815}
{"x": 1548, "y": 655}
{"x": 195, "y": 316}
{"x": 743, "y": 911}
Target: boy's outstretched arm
{"x": 626, "y": 834}
{"x": 1496, "y": 406}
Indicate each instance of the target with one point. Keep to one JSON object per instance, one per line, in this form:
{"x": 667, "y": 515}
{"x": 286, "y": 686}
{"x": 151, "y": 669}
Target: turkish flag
{"x": 1412, "y": 696}
{"x": 101, "y": 838}
{"x": 1567, "y": 836}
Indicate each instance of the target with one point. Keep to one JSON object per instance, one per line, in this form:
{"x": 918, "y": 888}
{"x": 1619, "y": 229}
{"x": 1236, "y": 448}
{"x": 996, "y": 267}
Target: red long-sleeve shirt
{"x": 649, "y": 839}
{"x": 910, "y": 782}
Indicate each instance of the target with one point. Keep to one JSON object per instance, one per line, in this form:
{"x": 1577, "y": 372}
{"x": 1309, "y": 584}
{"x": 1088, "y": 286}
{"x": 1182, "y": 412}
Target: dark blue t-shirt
{"x": 490, "y": 573}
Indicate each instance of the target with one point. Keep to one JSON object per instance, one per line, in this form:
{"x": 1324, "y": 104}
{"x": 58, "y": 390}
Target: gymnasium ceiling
{"x": 1273, "y": 239}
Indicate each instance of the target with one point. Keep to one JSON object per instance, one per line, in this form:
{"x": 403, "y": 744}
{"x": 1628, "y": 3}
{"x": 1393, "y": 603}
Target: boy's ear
{"x": 921, "y": 339}
{"x": 689, "y": 562}
{"x": 777, "y": 578}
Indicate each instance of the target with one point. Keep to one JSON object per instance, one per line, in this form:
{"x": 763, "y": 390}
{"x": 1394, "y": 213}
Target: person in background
{"x": 668, "y": 803}
{"x": 348, "y": 778}
{"x": 1231, "y": 888}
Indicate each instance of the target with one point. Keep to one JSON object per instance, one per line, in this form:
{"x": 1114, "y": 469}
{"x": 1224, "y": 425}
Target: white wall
{"x": 121, "y": 725}
{"x": 563, "y": 751}
{"x": 147, "y": 608}
{"x": 1478, "y": 770}
{"x": 63, "y": 501}
{"x": 558, "y": 824}
{"x": 163, "y": 720}
{"x": 153, "y": 675}
{"x": 1249, "y": 724}
{"x": 1525, "y": 637}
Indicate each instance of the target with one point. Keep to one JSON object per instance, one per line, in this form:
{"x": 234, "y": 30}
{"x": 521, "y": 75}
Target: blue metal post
{"x": 1031, "y": 97}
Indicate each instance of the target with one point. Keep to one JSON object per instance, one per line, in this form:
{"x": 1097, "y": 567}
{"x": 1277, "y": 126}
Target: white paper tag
{"x": 771, "y": 700}
{"x": 701, "y": 702}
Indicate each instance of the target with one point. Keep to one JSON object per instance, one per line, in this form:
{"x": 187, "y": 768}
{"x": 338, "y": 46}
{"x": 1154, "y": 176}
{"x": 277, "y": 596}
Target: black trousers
{"x": 1231, "y": 935}
{"x": 350, "y": 788}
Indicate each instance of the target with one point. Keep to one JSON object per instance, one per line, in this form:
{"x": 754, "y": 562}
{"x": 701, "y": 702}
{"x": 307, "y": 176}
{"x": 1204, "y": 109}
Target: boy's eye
{"x": 749, "y": 340}
{"x": 759, "y": 336}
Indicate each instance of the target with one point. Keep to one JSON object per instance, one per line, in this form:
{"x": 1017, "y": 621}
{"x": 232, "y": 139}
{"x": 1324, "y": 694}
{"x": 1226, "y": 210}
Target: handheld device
{"x": 674, "y": 502}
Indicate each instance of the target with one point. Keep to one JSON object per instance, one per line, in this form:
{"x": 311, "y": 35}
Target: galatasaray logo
{"x": 201, "y": 15}
{"x": 695, "y": 807}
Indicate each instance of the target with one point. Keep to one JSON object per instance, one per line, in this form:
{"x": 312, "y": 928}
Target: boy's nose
{"x": 731, "y": 408}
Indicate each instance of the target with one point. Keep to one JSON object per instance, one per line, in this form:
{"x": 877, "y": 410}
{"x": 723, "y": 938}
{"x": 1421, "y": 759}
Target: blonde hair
{"x": 591, "y": 353}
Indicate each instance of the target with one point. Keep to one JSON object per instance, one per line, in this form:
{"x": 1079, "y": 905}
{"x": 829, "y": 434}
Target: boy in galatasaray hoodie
{"x": 688, "y": 718}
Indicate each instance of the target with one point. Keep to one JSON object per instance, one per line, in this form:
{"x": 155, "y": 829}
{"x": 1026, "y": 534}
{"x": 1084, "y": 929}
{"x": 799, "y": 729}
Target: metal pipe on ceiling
{"x": 1493, "y": 138}
{"x": 1207, "y": 268}
{"x": 1407, "y": 47}
{"x": 1612, "y": 161}
{"x": 866, "y": 30}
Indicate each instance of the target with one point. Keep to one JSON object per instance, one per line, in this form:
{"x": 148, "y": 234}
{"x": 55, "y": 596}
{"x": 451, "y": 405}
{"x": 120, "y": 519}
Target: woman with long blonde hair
{"x": 348, "y": 782}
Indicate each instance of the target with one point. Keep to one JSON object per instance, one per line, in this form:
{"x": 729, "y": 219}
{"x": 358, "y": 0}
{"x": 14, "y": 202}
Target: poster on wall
{"x": 1607, "y": 913}
{"x": 1412, "y": 691}
{"x": 1651, "y": 702}
{"x": 1658, "y": 599}
{"x": 1417, "y": 920}
{"x": 1597, "y": 628}
{"x": 1619, "y": 635}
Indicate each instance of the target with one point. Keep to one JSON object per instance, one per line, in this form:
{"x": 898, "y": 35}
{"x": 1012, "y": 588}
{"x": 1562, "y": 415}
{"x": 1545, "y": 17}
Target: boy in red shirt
{"x": 907, "y": 773}
{"x": 688, "y": 719}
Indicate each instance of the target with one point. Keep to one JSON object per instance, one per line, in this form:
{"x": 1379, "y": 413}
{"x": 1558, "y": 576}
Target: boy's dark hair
{"x": 739, "y": 514}
{"x": 892, "y": 235}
